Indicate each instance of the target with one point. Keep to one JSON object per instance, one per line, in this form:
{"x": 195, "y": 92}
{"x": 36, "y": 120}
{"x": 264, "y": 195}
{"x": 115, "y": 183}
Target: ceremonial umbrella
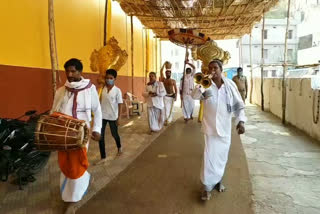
{"x": 187, "y": 38}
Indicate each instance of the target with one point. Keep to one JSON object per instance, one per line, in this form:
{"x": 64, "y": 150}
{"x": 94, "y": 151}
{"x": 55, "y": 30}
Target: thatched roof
{"x": 219, "y": 19}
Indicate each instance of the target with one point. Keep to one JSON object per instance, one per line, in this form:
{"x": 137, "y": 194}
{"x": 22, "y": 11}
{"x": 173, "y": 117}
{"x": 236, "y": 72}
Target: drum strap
{"x": 75, "y": 92}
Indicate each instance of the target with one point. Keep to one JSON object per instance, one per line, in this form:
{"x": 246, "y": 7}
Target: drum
{"x": 61, "y": 132}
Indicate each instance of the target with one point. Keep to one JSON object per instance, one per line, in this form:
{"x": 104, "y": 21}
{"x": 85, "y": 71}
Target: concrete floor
{"x": 165, "y": 179}
{"x": 284, "y": 166}
{"x": 43, "y": 196}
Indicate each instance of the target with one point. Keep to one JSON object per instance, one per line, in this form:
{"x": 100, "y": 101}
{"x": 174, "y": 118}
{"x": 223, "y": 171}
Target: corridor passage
{"x": 284, "y": 166}
{"x": 165, "y": 179}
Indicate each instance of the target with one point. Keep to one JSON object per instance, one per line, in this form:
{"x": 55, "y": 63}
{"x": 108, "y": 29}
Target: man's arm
{"x": 175, "y": 90}
{"x": 120, "y": 102}
{"x": 145, "y": 94}
{"x": 96, "y": 109}
{"x": 58, "y": 98}
{"x": 240, "y": 120}
{"x": 162, "y": 91}
{"x": 161, "y": 79}
{"x": 197, "y": 93}
{"x": 193, "y": 68}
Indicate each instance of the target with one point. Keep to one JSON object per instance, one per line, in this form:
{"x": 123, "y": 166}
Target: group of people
{"x": 79, "y": 98}
{"x": 221, "y": 100}
{"x": 161, "y": 95}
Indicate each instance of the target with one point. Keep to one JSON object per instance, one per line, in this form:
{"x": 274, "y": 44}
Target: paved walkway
{"x": 43, "y": 196}
{"x": 165, "y": 179}
{"x": 284, "y": 165}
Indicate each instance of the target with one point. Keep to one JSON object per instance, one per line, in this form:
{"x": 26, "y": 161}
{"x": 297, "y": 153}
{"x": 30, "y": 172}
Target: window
{"x": 177, "y": 66}
{"x": 265, "y": 34}
{"x": 290, "y": 34}
{"x": 274, "y": 73}
{"x": 265, "y": 73}
{"x": 265, "y": 53}
{"x": 176, "y": 52}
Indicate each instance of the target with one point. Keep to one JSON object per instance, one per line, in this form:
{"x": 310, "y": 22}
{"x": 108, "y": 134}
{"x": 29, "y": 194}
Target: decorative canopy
{"x": 218, "y": 19}
{"x": 187, "y": 37}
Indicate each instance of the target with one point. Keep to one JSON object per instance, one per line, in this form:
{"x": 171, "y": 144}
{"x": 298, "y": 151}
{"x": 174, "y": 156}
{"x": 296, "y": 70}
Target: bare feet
{"x": 119, "y": 151}
{"x": 220, "y": 187}
{"x": 205, "y": 195}
{"x": 102, "y": 161}
{"x": 68, "y": 208}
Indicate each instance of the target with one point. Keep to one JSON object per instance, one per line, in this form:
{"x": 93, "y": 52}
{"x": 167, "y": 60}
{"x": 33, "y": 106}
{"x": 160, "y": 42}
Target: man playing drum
{"x": 77, "y": 98}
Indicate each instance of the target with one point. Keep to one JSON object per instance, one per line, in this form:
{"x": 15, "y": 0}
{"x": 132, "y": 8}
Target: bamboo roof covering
{"x": 218, "y": 19}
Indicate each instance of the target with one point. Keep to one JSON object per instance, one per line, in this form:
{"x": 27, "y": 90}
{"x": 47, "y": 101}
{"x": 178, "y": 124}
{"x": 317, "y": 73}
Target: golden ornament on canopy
{"x": 208, "y": 52}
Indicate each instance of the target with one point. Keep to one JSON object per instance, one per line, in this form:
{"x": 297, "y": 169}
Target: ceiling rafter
{"x": 217, "y": 18}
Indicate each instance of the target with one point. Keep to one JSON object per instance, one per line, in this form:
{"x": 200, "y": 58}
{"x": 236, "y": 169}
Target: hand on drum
{"x": 95, "y": 136}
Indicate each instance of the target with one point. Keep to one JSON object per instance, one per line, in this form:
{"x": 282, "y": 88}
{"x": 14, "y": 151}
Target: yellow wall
{"x": 24, "y": 39}
{"x": 121, "y": 30}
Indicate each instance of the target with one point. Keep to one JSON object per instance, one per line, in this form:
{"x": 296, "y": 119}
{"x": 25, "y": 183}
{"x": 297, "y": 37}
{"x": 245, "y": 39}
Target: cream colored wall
{"x": 299, "y": 102}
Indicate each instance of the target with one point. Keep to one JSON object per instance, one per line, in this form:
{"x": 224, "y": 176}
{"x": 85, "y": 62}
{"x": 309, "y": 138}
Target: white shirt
{"x": 110, "y": 103}
{"x": 216, "y": 117}
{"x": 188, "y": 83}
{"x": 64, "y": 102}
{"x": 156, "y": 101}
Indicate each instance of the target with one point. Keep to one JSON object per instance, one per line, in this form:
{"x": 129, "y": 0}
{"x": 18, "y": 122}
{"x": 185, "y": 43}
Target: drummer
{"x": 79, "y": 99}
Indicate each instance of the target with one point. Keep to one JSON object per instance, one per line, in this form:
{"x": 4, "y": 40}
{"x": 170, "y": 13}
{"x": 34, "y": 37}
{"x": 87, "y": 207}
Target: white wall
{"x": 310, "y": 26}
{"x": 299, "y": 102}
{"x": 231, "y": 46}
{"x": 276, "y": 29}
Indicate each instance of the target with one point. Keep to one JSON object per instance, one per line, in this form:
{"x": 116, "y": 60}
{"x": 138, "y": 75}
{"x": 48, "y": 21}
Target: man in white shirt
{"x": 154, "y": 94}
{"x": 77, "y": 98}
{"x": 111, "y": 102}
{"x": 187, "y": 101}
{"x": 219, "y": 102}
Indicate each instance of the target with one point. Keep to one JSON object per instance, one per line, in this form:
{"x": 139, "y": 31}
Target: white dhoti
{"x": 215, "y": 158}
{"x": 72, "y": 190}
{"x": 187, "y": 106}
{"x": 168, "y": 106}
{"x": 156, "y": 118}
